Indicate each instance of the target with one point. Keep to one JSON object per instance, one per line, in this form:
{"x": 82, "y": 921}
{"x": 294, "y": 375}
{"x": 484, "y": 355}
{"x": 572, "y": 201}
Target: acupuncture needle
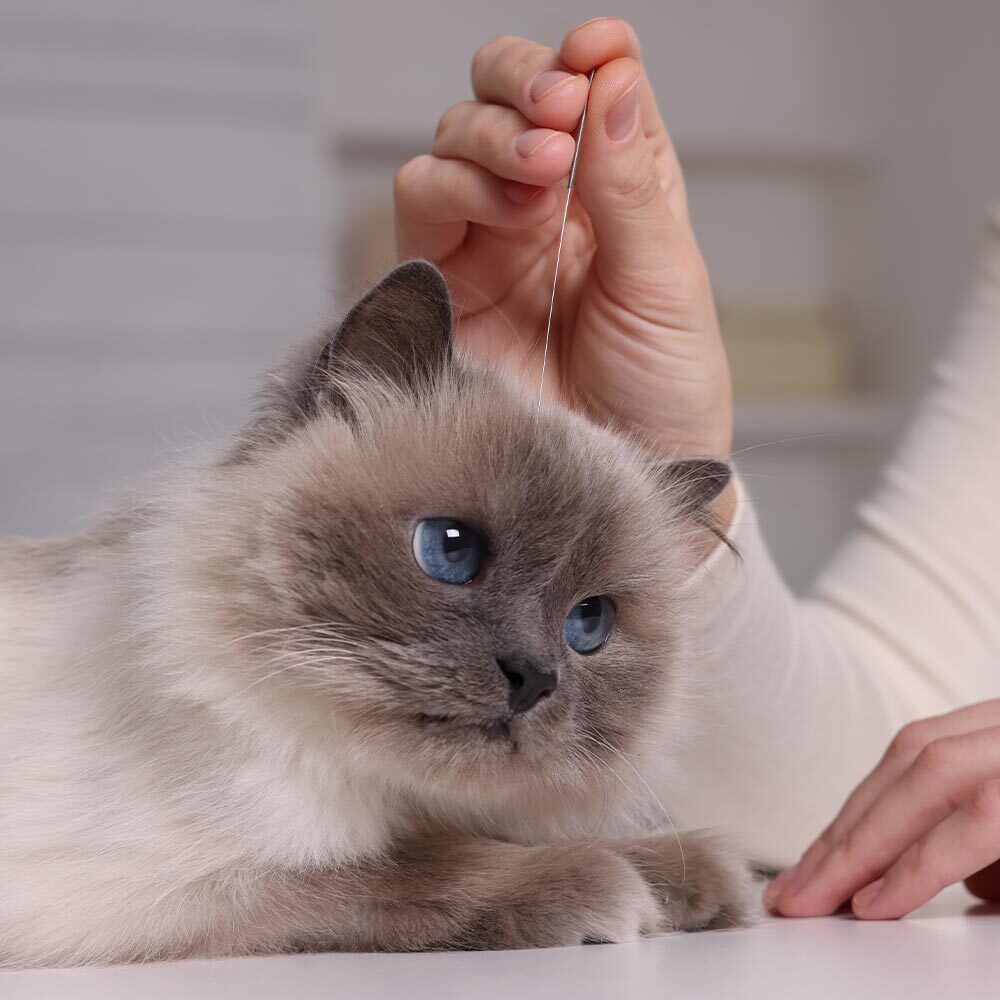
{"x": 562, "y": 236}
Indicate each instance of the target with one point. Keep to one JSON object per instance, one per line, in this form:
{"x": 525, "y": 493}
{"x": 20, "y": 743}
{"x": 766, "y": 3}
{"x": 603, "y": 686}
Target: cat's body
{"x": 238, "y": 717}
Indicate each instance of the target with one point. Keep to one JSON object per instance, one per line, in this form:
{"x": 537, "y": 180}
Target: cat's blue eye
{"x": 589, "y": 624}
{"x": 448, "y": 550}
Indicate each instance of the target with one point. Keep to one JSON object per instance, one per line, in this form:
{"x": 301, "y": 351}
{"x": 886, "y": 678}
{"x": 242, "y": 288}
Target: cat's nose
{"x": 528, "y": 682}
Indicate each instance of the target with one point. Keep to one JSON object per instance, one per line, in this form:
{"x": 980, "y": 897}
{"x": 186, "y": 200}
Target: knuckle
{"x": 410, "y": 177}
{"x": 916, "y": 862}
{"x": 984, "y": 805}
{"x": 938, "y": 756}
{"x": 853, "y": 854}
{"x": 493, "y": 134}
{"x": 909, "y": 741}
{"x": 449, "y": 120}
{"x": 826, "y": 841}
{"x": 850, "y": 846}
{"x": 504, "y": 42}
{"x": 521, "y": 65}
{"x": 638, "y": 189}
{"x": 487, "y": 54}
{"x": 686, "y": 278}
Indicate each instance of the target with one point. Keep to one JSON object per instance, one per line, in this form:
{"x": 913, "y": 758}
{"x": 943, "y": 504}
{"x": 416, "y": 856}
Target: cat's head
{"x": 424, "y": 570}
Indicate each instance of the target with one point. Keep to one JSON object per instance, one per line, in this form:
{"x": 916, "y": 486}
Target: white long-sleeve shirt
{"x": 803, "y": 696}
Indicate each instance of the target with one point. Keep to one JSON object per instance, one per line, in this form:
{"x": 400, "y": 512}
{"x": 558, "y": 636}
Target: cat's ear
{"x": 400, "y": 332}
{"x": 691, "y": 484}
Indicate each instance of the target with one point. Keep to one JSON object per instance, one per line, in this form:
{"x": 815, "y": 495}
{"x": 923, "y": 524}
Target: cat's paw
{"x": 699, "y": 881}
{"x": 578, "y": 895}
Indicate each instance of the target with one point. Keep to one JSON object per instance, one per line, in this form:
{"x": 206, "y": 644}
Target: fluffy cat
{"x": 389, "y": 673}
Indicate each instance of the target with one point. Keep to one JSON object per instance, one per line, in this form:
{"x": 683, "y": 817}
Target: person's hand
{"x": 927, "y": 816}
{"x": 635, "y": 337}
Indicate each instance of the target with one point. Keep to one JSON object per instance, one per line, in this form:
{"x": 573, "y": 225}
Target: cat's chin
{"x": 500, "y": 731}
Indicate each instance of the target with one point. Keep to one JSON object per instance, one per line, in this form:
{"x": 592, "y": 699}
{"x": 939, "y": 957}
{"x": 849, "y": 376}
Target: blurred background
{"x": 186, "y": 187}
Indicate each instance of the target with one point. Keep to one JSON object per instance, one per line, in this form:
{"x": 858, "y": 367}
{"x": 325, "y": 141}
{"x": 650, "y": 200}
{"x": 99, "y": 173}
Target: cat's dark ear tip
{"x": 421, "y": 271}
{"x": 717, "y": 473}
{"x": 423, "y": 280}
{"x": 693, "y": 483}
{"x": 416, "y": 265}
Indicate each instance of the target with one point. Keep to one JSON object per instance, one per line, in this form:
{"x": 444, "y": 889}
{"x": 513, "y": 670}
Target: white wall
{"x": 161, "y": 233}
{"x": 922, "y": 81}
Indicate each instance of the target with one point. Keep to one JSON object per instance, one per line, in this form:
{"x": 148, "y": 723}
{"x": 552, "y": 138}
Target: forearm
{"x": 795, "y": 701}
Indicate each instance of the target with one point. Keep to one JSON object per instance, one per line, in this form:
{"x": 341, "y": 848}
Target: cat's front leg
{"x": 700, "y": 882}
{"x": 452, "y": 892}
{"x": 444, "y": 893}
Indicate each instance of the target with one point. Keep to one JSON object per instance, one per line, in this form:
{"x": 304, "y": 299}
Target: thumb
{"x": 639, "y": 238}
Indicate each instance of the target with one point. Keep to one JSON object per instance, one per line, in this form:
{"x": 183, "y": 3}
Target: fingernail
{"x": 864, "y": 898}
{"x": 621, "y": 118}
{"x": 528, "y": 143}
{"x": 799, "y": 876}
{"x": 521, "y": 194}
{"x": 546, "y": 82}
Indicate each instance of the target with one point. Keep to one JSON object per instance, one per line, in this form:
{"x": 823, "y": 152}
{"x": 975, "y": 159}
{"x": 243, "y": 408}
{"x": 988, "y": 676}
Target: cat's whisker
{"x": 316, "y": 656}
{"x": 295, "y": 665}
{"x": 311, "y": 626}
{"x": 306, "y": 659}
{"x": 603, "y": 772}
{"x": 320, "y": 642}
{"x": 649, "y": 790}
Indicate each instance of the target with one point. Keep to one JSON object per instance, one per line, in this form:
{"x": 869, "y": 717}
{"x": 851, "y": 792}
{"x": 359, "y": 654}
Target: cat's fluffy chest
{"x": 116, "y": 806}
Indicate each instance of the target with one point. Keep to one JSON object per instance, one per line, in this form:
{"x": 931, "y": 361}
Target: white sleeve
{"x": 799, "y": 698}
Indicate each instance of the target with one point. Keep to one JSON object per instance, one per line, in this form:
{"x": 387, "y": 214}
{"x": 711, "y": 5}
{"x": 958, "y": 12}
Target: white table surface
{"x": 949, "y": 949}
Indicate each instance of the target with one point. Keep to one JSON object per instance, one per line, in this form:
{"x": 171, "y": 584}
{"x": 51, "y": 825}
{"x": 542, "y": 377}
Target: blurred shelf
{"x": 853, "y": 422}
{"x": 355, "y": 147}
{"x": 775, "y": 154}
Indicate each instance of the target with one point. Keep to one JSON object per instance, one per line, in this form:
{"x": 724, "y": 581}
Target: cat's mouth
{"x": 495, "y": 730}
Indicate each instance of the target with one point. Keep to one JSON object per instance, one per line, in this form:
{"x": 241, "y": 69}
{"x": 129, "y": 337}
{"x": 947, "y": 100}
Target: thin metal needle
{"x": 559, "y": 245}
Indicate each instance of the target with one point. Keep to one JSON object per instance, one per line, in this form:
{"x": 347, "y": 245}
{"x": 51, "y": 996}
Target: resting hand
{"x": 927, "y": 816}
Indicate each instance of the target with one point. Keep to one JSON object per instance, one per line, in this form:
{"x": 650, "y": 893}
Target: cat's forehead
{"x": 477, "y": 450}
{"x": 483, "y": 443}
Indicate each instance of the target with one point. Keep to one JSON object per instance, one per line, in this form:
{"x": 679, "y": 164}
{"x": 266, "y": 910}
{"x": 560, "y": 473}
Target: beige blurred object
{"x": 786, "y": 352}
{"x": 371, "y": 247}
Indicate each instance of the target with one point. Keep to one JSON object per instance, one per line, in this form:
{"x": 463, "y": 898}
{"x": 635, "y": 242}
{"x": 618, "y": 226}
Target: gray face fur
{"x": 359, "y": 438}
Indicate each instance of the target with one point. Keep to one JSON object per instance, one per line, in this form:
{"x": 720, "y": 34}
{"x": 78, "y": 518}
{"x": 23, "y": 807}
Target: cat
{"x": 391, "y": 671}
